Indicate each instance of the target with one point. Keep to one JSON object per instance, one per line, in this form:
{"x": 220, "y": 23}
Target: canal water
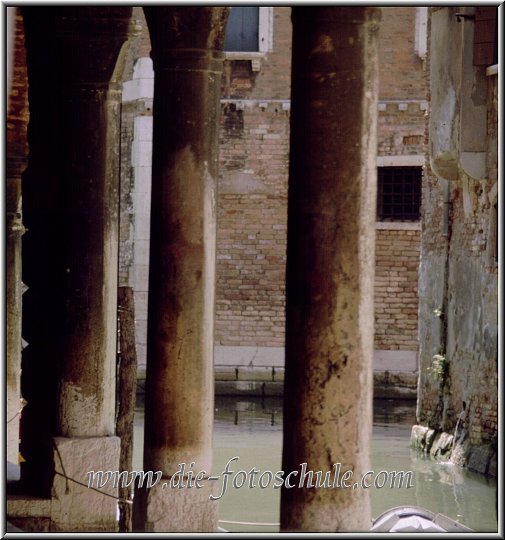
{"x": 251, "y": 429}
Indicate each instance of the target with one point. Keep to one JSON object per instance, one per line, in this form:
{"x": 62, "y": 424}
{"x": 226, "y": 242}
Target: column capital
{"x": 188, "y": 60}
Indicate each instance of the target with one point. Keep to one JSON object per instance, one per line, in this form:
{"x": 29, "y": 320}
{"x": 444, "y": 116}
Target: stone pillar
{"x": 17, "y": 150}
{"x": 330, "y": 265}
{"x": 179, "y": 378}
{"x": 15, "y": 230}
{"x": 84, "y": 166}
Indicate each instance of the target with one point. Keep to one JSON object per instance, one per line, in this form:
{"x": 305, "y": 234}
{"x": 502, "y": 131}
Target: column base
{"x": 166, "y": 509}
{"x": 75, "y": 507}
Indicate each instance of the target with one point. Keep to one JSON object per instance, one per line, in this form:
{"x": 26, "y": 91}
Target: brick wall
{"x": 254, "y": 158}
{"x": 252, "y": 194}
{"x": 397, "y": 260}
{"x": 252, "y": 201}
{"x": 401, "y": 132}
{"x": 17, "y": 114}
{"x": 401, "y": 70}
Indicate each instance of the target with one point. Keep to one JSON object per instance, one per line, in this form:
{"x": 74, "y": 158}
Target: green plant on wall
{"x": 438, "y": 367}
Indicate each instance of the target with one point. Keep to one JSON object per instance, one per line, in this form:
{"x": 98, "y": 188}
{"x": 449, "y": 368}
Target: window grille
{"x": 398, "y": 193}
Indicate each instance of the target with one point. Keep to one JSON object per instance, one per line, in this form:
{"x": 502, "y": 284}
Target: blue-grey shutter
{"x": 242, "y": 29}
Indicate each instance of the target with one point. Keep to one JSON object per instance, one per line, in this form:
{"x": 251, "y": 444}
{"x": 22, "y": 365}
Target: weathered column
{"x": 330, "y": 266}
{"x": 84, "y": 168}
{"x": 90, "y": 41}
{"x": 179, "y": 379}
{"x": 16, "y": 154}
{"x": 13, "y": 284}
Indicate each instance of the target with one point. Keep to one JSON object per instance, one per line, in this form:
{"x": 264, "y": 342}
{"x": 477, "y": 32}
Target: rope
{"x": 249, "y": 523}
{"x": 15, "y": 416}
{"x": 67, "y": 478}
{"x": 127, "y": 501}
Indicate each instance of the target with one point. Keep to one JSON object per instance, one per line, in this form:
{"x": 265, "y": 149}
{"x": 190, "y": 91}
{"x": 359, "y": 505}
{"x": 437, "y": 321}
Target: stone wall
{"x": 458, "y": 398}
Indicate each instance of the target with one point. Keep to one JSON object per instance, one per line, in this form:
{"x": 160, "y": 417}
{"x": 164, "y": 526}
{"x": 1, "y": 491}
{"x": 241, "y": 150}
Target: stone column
{"x": 17, "y": 151}
{"x": 179, "y": 378}
{"x": 330, "y": 265}
{"x": 13, "y": 285}
{"x": 84, "y": 172}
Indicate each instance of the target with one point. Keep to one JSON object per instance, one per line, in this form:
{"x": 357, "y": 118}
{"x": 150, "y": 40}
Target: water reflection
{"x": 251, "y": 429}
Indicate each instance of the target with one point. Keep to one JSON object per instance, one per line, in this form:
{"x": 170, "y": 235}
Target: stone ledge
{"x": 27, "y": 506}
{"x": 29, "y": 514}
{"x": 441, "y": 445}
{"x": 240, "y": 373}
{"x": 249, "y": 388}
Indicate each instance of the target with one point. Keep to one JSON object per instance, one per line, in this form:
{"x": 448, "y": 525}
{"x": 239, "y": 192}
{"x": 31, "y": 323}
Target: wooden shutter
{"x": 485, "y": 41}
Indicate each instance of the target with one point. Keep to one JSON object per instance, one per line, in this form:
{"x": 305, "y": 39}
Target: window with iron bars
{"x": 398, "y": 193}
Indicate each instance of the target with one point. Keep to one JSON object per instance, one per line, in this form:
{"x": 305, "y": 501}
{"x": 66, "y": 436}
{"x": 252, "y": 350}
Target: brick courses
{"x": 253, "y": 181}
{"x": 18, "y": 113}
{"x": 254, "y": 159}
{"x": 397, "y": 260}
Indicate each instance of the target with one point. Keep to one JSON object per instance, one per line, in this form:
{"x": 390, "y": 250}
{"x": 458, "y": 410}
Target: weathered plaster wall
{"x": 457, "y": 409}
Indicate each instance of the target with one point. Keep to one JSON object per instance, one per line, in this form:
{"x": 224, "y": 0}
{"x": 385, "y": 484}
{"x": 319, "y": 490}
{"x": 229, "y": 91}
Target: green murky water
{"x": 251, "y": 429}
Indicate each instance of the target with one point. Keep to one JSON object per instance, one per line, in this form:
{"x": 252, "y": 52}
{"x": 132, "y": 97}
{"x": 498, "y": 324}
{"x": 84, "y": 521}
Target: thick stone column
{"x": 330, "y": 265}
{"x": 179, "y": 378}
{"x": 17, "y": 151}
{"x": 90, "y": 102}
{"x": 82, "y": 168}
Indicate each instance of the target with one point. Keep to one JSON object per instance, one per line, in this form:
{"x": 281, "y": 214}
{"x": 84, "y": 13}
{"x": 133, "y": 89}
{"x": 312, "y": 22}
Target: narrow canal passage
{"x": 251, "y": 429}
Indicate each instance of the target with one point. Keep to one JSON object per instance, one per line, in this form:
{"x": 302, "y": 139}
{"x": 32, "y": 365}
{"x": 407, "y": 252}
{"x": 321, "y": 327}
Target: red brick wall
{"x": 17, "y": 115}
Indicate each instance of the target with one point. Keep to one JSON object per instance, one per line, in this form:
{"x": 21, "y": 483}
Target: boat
{"x": 416, "y": 519}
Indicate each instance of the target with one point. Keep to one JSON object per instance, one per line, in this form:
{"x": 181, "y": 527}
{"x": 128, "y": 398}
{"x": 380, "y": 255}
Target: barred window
{"x": 398, "y": 193}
